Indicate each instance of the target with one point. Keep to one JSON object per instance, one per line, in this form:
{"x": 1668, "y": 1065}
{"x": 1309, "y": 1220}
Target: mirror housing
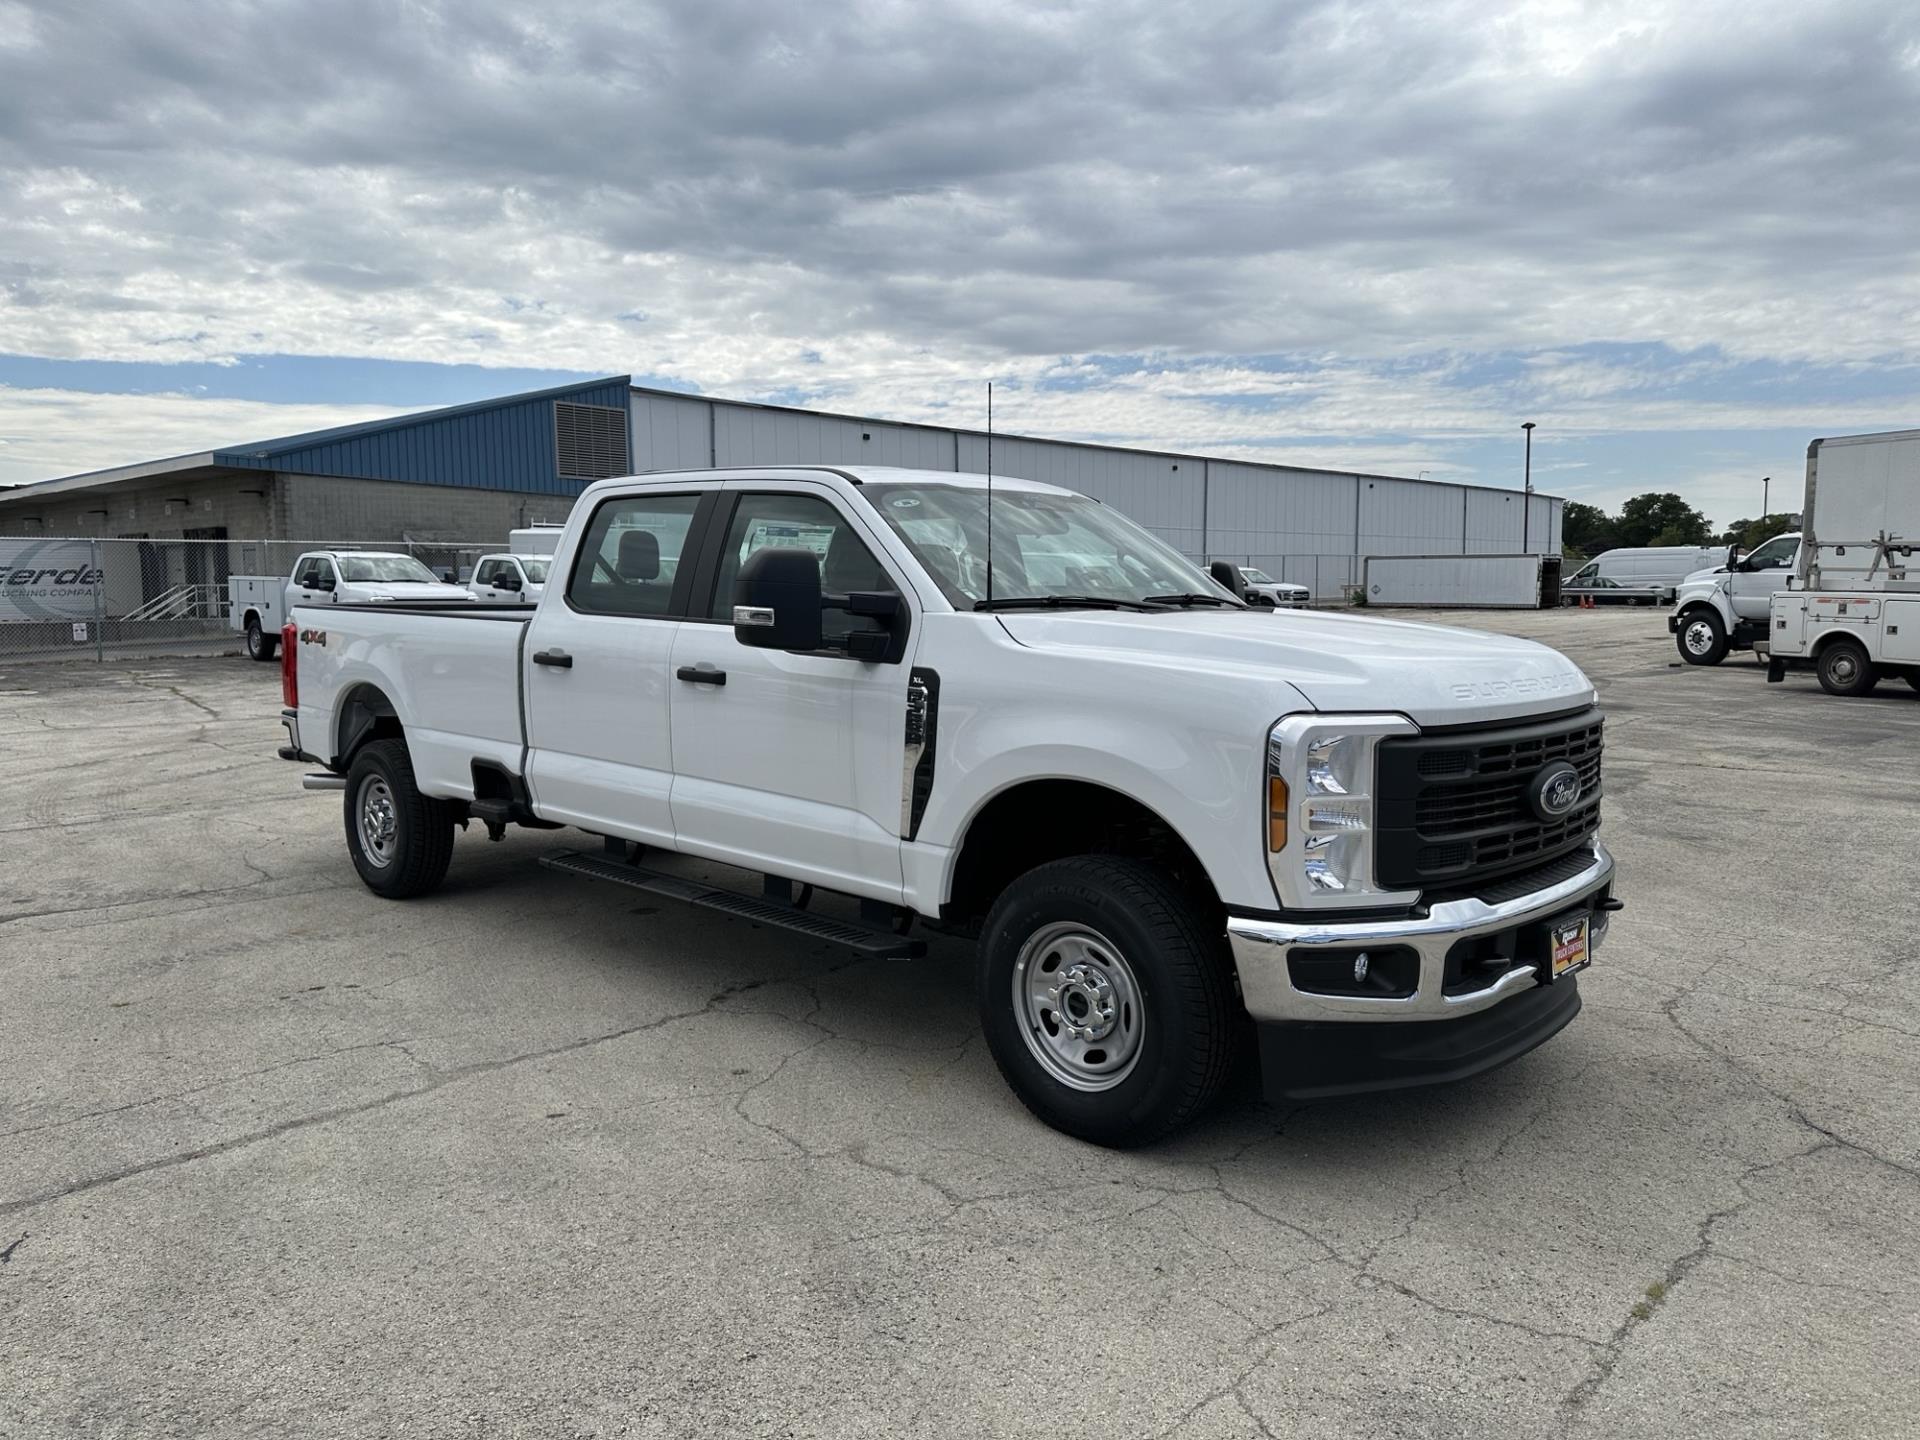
{"x": 508, "y": 581}
{"x": 322, "y": 581}
{"x": 776, "y": 600}
{"x": 1228, "y": 574}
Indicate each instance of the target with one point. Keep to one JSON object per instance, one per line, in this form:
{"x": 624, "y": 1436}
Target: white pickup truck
{"x": 509, "y": 579}
{"x": 258, "y": 605}
{"x": 1158, "y": 813}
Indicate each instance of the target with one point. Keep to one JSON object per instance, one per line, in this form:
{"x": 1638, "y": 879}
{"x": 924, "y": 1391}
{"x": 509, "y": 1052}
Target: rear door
{"x": 786, "y": 762}
{"x": 596, "y": 668}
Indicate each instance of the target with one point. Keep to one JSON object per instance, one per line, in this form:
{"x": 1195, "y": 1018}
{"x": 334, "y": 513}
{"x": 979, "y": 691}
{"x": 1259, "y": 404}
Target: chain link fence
{"x": 101, "y": 599}
{"x": 1330, "y": 578}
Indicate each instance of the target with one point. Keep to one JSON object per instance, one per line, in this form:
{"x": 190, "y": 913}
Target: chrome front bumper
{"x": 1261, "y": 948}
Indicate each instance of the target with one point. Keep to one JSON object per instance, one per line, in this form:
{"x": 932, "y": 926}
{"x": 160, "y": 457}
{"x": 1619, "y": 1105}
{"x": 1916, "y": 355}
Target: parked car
{"x": 1284, "y": 594}
{"x": 258, "y": 605}
{"x": 1637, "y": 573}
{"x": 510, "y": 579}
{"x": 1157, "y": 813}
{"x": 1725, "y": 608}
{"x": 1605, "y": 591}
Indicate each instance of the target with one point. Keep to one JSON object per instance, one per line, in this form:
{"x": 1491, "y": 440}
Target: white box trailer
{"x": 1465, "y": 582}
{"x": 534, "y": 539}
{"x": 1851, "y": 609}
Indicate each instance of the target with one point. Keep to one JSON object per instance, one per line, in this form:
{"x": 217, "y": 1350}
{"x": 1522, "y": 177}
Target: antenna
{"x": 989, "y": 491}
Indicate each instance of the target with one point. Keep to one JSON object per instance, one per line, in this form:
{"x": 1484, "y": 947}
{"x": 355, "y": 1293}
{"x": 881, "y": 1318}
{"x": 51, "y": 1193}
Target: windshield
{"x": 384, "y": 569}
{"x": 536, "y": 571}
{"x": 1258, "y": 577}
{"x": 1043, "y": 544}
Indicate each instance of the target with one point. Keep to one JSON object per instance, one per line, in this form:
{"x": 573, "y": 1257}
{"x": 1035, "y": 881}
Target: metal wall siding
{"x": 1405, "y": 517}
{"x": 1494, "y": 522}
{"x": 505, "y": 447}
{"x": 670, "y": 433}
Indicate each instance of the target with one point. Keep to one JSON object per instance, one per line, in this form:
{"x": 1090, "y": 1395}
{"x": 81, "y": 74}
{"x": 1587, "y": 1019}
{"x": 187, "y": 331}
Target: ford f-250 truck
{"x": 1158, "y": 812}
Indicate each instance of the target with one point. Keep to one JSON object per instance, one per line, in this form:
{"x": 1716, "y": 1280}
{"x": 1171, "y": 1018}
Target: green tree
{"x": 1661, "y": 518}
{"x": 1585, "y": 529}
{"x": 1749, "y": 533}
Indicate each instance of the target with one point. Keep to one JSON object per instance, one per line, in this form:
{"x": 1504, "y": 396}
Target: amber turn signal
{"x": 1276, "y": 813}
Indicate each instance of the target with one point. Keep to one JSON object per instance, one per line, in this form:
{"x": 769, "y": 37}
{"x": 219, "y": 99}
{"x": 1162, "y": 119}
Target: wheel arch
{"x": 1033, "y": 821}
{"x": 364, "y": 714}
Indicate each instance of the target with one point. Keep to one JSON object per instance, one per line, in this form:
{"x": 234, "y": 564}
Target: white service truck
{"x": 1172, "y": 826}
{"x": 510, "y": 579}
{"x": 258, "y": 605}
{"x": 1852, "y": 610}
{"x": 1723, "y": 609}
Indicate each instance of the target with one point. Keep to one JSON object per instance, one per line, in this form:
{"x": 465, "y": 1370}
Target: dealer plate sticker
{"x": 1570, "y": 951}
{"x": 1569, "y": 945}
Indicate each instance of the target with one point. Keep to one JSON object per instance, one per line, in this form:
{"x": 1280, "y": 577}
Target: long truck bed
{"x": 457, "y": 668}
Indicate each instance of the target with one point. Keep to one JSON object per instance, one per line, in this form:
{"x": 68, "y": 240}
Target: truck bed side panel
{"x": 453, "y": 679}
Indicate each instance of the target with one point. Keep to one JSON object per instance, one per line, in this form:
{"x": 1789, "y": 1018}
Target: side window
{"x": 630, "y": 555}
{"x": 323, "y": 572}
{"x": 1586, "y": 573}
{"x": 804, "y": 522}
{"x": 303, "y": 577}
{"x": 484, "y": 575}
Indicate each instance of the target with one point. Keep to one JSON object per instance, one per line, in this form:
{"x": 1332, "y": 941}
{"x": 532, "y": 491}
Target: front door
{"x": 1763, "y": 573}
{"x": 793, "y": 765}
{"x": 597, "y": 680}
{"x": 316, "y": 582}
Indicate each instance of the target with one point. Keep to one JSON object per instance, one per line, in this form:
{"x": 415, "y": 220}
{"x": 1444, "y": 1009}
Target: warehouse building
{"x": 455, "y": 479}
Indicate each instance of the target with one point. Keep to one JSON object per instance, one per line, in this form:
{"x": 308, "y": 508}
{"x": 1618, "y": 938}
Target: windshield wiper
{"x": 1062, "y": 602}
{"x": 1196, "y": 599}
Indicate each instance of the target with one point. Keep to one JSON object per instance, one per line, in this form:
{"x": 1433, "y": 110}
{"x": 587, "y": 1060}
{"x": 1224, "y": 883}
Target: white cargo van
{"x": 1648, "y": 575}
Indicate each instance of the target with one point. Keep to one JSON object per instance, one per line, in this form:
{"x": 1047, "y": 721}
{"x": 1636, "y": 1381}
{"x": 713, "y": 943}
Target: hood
{"x": 1433, "y": 674}
{"x": 401, "y": 591}
{"x": 1702, "y": 577}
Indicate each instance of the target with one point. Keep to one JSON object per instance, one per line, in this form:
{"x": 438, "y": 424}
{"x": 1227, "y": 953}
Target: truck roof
{"x": 854, "y": 474}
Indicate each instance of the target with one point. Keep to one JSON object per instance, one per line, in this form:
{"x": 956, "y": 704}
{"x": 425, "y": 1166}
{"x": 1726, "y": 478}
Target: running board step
{"x": 874, "y": 944}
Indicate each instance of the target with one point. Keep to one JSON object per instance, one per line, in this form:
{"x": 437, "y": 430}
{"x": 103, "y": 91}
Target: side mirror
{"x": 322, "y": 582}
{"x": 1229, "y": 575}
{"x": 776, "y": 600}
{"x": 508, "y": 581}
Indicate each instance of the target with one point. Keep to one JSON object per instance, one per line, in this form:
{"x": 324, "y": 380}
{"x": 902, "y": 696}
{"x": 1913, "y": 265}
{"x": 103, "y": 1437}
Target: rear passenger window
{"x": 630, "y": 555}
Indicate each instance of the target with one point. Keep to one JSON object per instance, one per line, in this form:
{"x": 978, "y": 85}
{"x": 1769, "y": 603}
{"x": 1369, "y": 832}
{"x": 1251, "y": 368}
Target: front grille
{"x": 1452, "y": 808}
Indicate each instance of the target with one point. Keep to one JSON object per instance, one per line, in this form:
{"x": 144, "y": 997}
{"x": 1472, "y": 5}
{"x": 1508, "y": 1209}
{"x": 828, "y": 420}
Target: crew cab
{"x": 258, "y": 605}
{"x": 1170, "y": 825}
{"x": 510, "y": 579}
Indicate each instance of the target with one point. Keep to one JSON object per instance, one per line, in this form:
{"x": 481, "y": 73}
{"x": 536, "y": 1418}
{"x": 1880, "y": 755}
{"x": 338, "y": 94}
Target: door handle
{"x": 702, "y": 674}
{"x": 553, "y": 657}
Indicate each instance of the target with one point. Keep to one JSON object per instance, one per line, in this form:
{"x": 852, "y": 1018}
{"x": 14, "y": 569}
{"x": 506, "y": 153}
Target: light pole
{"x": 1526, "y": 517}
{"x": 1764, "y": 480}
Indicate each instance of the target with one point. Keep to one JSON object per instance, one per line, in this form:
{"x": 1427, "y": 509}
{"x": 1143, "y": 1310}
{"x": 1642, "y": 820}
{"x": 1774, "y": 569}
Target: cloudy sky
{"x": 1684, "y": 238}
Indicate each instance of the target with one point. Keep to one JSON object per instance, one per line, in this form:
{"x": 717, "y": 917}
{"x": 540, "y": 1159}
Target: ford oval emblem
{"x": 1555, "y": 791}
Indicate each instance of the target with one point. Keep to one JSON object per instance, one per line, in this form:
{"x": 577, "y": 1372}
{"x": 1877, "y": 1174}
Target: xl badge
{"x": 1554, "y": 791}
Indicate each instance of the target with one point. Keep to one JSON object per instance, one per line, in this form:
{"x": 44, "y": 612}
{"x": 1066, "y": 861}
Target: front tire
{"x": 1844, "y": 669}
{"x": 401, "y": 841}
{"x": 1106, "y": 998}
{"x": 1702, "y": 638}
{"x": 260, "y": 645}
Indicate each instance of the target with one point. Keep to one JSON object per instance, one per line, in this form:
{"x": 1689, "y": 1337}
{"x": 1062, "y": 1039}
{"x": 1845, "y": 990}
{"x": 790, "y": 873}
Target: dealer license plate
{"x": 1571, "y": 950}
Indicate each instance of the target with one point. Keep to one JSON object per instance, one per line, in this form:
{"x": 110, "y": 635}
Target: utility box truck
{"x": 258, "y": 605}
{"x": 1172, "y": 825}
{"x": 1851, "y": 612}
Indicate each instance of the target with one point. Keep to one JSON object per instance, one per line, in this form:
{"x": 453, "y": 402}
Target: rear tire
{"x": 1702, "y": 638}
{"x": 260, "y": 645}
{"x": 1844, "y": 669}
{"x": 401, "y": 841}
{"x": 1116, "y": 946}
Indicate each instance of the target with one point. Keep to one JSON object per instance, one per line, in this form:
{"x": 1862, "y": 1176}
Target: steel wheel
{"x": 1699, "y": 637}
{"x": 377, "y": 820}
{"x": 1079, "y": 1006}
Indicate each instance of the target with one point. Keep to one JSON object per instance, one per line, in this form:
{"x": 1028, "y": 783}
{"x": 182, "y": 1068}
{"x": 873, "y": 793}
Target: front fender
{"x": 1205, "y": 787}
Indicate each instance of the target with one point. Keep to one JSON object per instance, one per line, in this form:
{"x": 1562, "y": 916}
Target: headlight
{"x": 1320, "y": 814}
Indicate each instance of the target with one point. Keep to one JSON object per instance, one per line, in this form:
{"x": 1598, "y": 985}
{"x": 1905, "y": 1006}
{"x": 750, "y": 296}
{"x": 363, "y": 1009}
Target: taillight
{"x": 289, "y": 667}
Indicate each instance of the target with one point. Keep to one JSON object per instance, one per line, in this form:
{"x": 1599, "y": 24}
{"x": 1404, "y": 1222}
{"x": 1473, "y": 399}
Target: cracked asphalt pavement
{"x": 537, "y": 1157}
